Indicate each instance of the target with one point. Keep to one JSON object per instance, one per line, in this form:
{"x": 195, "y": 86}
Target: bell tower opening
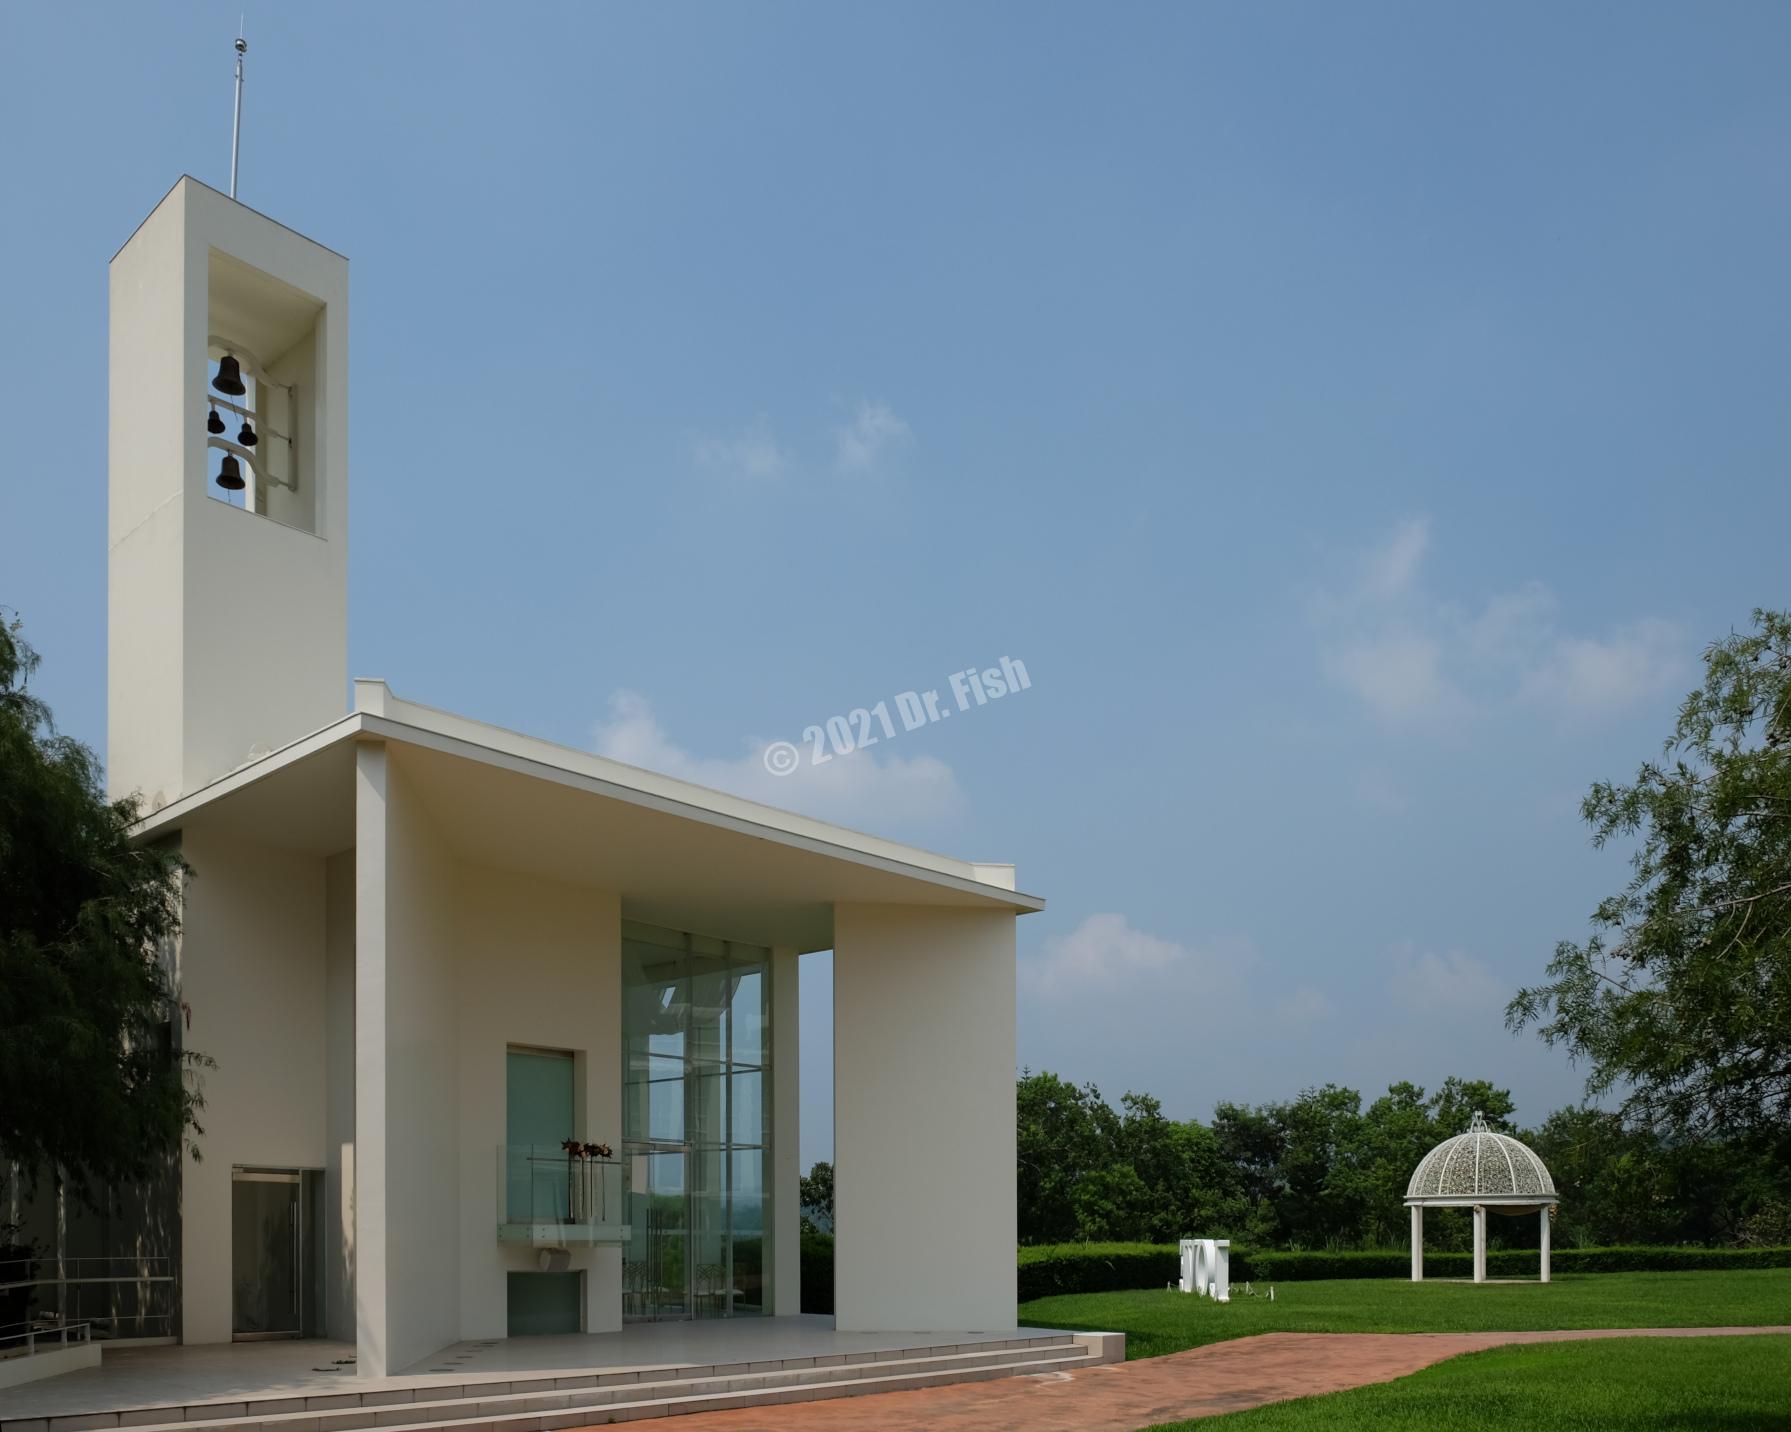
{"x": 261, "y": 366}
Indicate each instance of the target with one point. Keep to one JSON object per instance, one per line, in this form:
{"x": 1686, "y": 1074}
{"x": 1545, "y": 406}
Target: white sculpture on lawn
{"x": 1206, "y": 1268}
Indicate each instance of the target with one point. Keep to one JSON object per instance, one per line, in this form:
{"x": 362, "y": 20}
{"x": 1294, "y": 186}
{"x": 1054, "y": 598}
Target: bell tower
{"x": 228, "y": 452}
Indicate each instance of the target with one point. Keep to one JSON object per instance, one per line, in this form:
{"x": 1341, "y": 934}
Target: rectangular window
{"x": 539, "y": 1105}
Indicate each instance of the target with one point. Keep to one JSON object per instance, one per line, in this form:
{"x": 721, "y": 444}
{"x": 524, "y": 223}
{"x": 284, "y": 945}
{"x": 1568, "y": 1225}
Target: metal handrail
{"x": 120, "y": 1296}
{"x": 81, "y": 1270}
{"x": 30, "y": 1332}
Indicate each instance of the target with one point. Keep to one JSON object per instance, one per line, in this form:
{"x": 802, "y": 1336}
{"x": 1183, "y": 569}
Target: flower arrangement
{"x": 577, "y": 1152}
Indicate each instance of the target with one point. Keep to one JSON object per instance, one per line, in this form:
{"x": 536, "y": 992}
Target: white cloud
{"x": 1379, "y": 791}
{"x": 1303, "y": 1008}
{"x": 872, "y": 429}
{"x": 1451, "y": 983}
{"x": 1580, "y": 676}
{"x": 1398, "y": 675}
{"x": 753, "y": 452}
{"x": 1414, "y": 659}
{"x": 1392, "y": 568}
{"x": 1107, "y": 951}
{"x": 860, "y": 788}
{"x": 1195, "y": 1020}
{"x": 1187, "y": 1020}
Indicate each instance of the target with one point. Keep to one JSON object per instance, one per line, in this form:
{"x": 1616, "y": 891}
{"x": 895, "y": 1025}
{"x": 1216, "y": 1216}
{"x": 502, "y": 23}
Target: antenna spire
{"x": 236, "y": 124}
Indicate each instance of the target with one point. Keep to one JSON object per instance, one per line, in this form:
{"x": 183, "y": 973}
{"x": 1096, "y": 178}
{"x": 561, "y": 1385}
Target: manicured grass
{"x": 1637, "y": 1384}
{"x": 1157, "y": 1321}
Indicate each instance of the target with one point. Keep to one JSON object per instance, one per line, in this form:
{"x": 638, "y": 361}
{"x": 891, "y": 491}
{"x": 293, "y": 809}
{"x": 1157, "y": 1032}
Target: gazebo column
{"x": 1417, "y": 1243}
{"x": 1479, "y": 1242}
{"x": 1545, "y": 1234}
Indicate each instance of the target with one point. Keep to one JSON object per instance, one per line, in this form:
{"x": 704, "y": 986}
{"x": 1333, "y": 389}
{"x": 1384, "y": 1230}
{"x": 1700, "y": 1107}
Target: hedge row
{"x": 817, "y": 1272}
{"x": 1109, "y": 1267}
{"x": 1114, "y": 1267}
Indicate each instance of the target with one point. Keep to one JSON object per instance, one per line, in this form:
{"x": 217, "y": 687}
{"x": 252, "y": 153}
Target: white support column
{"x": 370, "y": 1248}
{"x": 1545, "y": 1238}
{"x": 786, "y": 1135}
{"x": 407, "y": 1137}
{"x": 1479, "y": 1243}
{"x": 923, "y": 1112}
{"x": 1417, "y": 1243}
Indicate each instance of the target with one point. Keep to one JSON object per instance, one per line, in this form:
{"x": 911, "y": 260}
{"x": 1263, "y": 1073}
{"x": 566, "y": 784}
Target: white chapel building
{"x": 505, "y": 1032}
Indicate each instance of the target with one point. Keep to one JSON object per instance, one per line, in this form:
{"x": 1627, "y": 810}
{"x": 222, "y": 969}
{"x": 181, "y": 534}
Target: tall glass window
{"x": 696, "y": 1131}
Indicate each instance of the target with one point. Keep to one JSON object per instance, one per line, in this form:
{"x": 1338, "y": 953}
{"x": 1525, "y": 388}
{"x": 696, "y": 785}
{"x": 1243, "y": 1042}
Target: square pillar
{"x": 1545, "y": 1211}
{"x": 407, "y": 1145}
{"x": 1417, "y": 1243}
{"x": 924, "y": 1143}
{"x": 372, "y": 778}
{"x": 1479, "y": 1243}
{"x": 784, "y": 1217}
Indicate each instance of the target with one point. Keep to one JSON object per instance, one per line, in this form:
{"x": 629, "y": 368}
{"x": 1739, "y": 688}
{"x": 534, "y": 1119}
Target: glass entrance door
{"x": 695, "y": 1124}
{"x": 272, "y": 1295}
{"x": 657, "y": 1270}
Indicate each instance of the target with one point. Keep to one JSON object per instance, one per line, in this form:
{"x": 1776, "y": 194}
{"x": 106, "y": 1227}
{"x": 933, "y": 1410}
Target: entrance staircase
{"x": 546, "y": 1401}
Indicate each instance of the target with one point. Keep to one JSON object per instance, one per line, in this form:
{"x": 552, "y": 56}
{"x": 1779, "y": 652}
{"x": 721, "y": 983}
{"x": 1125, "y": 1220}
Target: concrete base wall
{"x": 51, "y": 1362}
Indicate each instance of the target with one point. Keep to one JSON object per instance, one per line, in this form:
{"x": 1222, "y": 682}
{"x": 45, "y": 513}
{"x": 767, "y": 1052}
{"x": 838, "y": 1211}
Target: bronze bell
{"x": 214, "y": 424}
{"x": 230, "y": 376}
{"x": 230, "y": 474}
{"x": 247, "y": 436}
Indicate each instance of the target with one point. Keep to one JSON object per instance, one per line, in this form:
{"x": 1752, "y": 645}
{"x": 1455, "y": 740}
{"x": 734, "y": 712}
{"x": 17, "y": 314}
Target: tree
{"x": 1322, "y": 1195}
{"x": 1063, "y": 1135}
{"x": 91, "y": 1085}
{"x": 816, "y": 1198}
{"x": 1682, "y": 996}
{"x": 1454, "y": 1105}
{"x": 1397, "y": 1131}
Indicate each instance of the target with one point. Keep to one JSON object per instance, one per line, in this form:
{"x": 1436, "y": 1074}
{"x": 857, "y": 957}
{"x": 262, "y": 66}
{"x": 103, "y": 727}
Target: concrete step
{"x": 622, "y": 1404}
{"x": 540, "y": 1401}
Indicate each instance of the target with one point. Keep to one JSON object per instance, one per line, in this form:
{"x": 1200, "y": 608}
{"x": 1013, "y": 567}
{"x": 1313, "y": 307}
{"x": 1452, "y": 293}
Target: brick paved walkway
{"x": 1120, "y": 1397}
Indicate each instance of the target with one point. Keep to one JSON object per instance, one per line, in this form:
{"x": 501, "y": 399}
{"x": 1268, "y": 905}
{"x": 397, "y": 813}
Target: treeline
{"x": 1322, "y": 1172}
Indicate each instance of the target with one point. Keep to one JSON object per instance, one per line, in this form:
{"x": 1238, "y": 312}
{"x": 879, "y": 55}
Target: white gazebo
{"x": 1484, "y": 1171}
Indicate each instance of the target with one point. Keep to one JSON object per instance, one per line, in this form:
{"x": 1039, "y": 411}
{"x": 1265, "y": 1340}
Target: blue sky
{"x": 1356, "y": 418}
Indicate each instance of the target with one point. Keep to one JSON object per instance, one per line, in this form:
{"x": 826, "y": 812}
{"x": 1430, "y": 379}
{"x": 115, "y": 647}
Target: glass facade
{"x": 696, "y": 1125}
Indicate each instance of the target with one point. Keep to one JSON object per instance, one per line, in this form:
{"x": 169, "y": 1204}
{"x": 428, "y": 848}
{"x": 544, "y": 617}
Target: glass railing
{"x": 547, "y": 1195}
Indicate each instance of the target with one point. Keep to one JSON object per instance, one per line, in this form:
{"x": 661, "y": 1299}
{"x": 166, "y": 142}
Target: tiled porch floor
{"x": 153, "y": 1376}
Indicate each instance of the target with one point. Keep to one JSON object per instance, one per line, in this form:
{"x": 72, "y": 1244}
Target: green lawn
{"x": 1157, "y": 1321}
{"x": 1637, "y": 1384}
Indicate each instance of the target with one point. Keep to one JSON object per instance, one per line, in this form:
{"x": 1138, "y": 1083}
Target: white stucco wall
{"x": 147, "y": 460}
{"x": 252, "y": 974}
{"x": 924, "y": 1143}
{"x": 454, "y": 964}
{"x": 540, "y": 965}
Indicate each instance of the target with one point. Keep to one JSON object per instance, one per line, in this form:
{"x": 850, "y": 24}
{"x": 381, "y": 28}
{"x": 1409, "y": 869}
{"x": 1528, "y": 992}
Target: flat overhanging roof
{"x": 678, "y": 854}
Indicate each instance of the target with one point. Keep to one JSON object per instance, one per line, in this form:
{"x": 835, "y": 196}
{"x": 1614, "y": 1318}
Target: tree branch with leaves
{"x": 1680, "y": 1001}
{"x": 94, "y": 1088}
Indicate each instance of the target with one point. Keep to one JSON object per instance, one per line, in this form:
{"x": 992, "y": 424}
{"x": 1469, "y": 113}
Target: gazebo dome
{"x": 1481, "y": 1166}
